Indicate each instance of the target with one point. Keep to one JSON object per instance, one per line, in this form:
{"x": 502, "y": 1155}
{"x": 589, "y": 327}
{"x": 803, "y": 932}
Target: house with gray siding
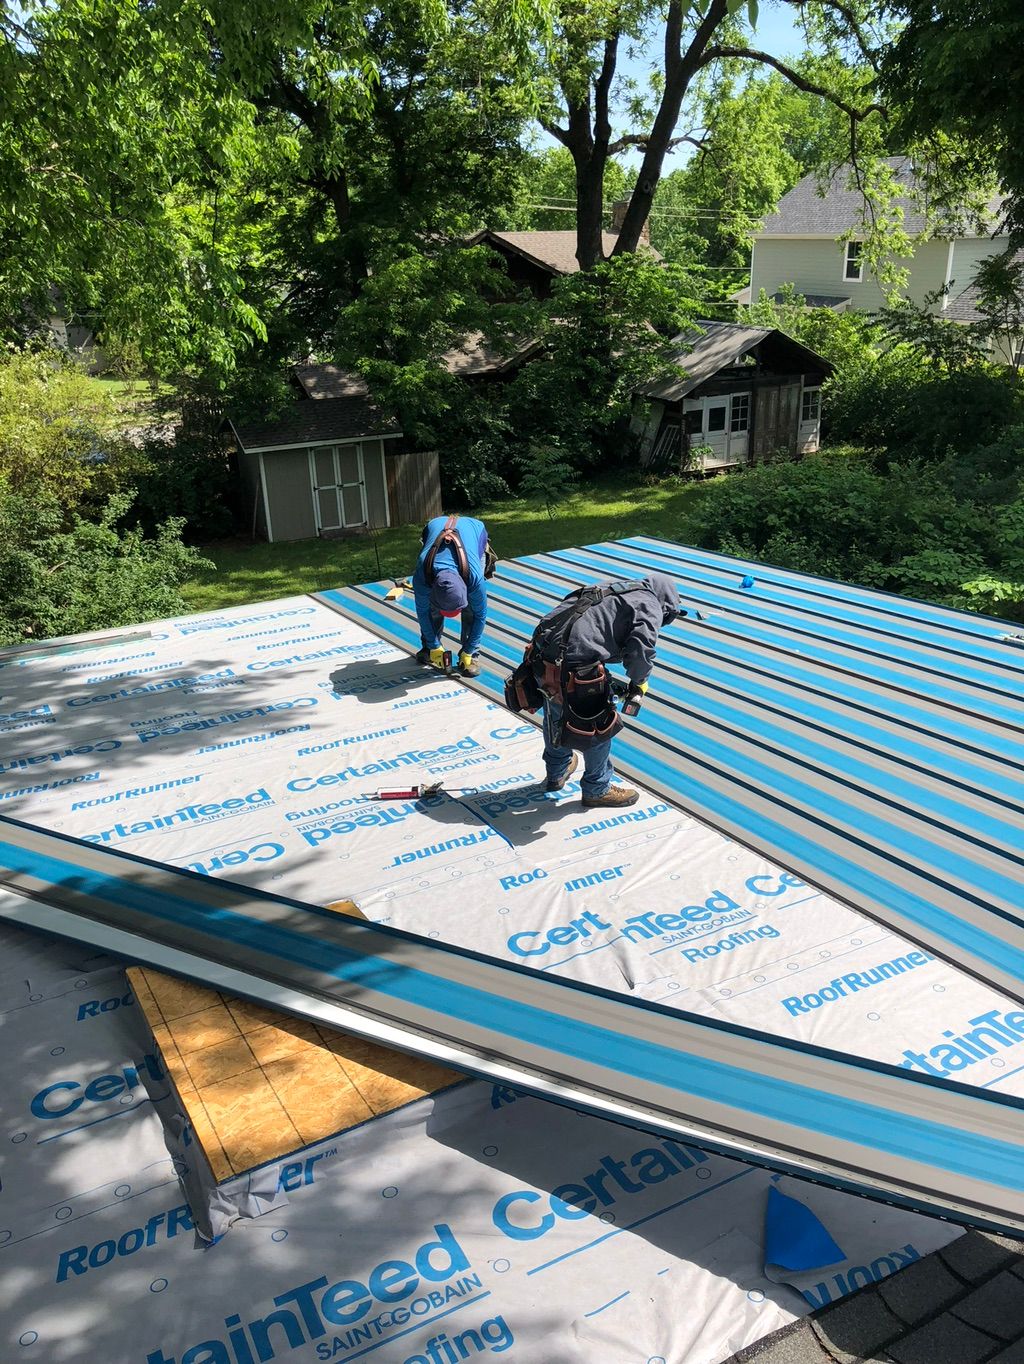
{"x": 813, "y": 242}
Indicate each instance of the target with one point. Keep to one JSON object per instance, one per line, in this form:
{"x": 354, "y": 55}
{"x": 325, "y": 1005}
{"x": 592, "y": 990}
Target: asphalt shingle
{"x": 921, "y": 1290}
{"x": 838, "y": 206}
{"x": 978, "y": 1255}
{"x": 1013, "y": 1354}
{"x": 315, "y": 423}
{"x": 853, "y": 1329}
{"x": 792, "y": 1345}
{"x": 946, "y": 1340}
{"x": 996, "y": 1307}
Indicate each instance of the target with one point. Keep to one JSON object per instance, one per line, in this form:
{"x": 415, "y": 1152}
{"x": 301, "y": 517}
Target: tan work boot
{"x": 550, "y": 785}
{"x": 614, "y": 798}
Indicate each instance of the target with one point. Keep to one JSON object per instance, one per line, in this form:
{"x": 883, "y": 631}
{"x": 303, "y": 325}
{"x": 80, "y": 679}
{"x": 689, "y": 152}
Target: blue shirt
{"x": 473, "y": 535}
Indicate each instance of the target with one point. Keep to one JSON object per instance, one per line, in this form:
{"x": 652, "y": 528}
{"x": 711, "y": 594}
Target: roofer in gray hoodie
{"x": 614, "y": 622}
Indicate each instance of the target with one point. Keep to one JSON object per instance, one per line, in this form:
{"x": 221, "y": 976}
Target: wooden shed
{"x": 739, "y": 394}
{"x": 331, "y": 468}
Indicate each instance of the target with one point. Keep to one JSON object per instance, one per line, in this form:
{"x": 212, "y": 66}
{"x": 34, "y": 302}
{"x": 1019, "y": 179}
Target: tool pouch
{"x": 521, "y": 690}
{"x": 589, "y": 714}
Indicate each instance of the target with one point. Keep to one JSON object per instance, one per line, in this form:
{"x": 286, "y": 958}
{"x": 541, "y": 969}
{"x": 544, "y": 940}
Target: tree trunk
{"x": 336, "y": 189}
{"x": 589, "y": 211}
{"x": 680, "y": 70}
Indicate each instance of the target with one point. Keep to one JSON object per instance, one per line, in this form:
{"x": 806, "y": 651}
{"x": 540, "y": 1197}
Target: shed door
{"x": 339, "y": 495}
{"x": 717, "y": 426}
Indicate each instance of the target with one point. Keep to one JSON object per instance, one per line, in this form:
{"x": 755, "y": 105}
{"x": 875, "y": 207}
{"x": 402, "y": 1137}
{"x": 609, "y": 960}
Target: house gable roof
{"x": 554, "y": 252}
{"x": 320, "y": 423}
{"x": 720, "y": 345}
{"x": 807, "y": 212}
{"x": 473, "y": 358}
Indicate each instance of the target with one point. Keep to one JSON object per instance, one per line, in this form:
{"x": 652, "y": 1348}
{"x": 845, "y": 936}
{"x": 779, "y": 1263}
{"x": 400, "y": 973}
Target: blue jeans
{"x": 465, "y": 630}
{"x": 598, "y": 773}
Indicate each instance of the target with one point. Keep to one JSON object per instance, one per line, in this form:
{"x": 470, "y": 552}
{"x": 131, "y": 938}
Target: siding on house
{"x": 374, "y": 483}
{"x": 968, "y": 255}
{"x": 289, "y": 494}
{"x": 816, "y": 266}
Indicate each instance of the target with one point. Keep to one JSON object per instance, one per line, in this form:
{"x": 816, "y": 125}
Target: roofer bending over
{"x": 564, "y": 670}
{"x": 449, "y": 582}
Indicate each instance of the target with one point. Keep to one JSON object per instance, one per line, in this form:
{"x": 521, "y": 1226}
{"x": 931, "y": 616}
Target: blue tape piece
{"x": 794, "y": 1237}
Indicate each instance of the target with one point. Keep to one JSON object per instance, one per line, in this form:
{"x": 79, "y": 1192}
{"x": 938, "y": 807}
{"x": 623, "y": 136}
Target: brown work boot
{"x": 550, "y": 785}
{"x": 614, "y": 798}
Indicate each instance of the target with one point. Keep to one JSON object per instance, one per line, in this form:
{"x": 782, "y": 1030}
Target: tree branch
{"x": 602, "y": 86}
{"x": 553, "y": 130}
{"x": 680, "y": 69}
{"x": 641, "y": 140}
{"x": 801, "y": 82}
{"x": 852, "y": 23}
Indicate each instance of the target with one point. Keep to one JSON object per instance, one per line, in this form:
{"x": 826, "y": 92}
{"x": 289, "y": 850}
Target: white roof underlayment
{"x": 244, "y": 744}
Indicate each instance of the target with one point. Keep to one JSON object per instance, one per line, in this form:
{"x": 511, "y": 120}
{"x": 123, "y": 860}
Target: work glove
{"x": 437, "y": 658}
{"x": 641, "y": 687}
{"x": 468, "y": 665}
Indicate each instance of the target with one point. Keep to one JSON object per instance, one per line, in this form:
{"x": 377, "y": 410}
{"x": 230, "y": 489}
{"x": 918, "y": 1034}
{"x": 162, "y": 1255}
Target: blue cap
{"x": 448, "y": 595}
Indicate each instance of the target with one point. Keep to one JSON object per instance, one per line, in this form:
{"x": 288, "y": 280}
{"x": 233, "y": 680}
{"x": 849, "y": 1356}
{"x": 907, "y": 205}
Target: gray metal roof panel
{"x": 702, "y": 356}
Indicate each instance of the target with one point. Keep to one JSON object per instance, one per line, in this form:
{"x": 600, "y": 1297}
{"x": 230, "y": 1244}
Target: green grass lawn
{"x": 251, "y": 572}
{"x": 140, "y": 400}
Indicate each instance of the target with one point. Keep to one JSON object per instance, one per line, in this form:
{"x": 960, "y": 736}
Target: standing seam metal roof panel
{"x": 872, "y": 744}
{"x": 864, "y": 1126}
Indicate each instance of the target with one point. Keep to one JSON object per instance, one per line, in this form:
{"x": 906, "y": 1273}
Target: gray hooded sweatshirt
{"x": 624, "y": 629}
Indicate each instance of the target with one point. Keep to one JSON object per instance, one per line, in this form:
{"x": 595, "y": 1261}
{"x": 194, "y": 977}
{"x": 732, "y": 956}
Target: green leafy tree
{"x": 953, "y": 80}
{"x": 580, "y": 63}
{"x": 549, "y": 178}
{"x": 999, "y": 281}
{"x": 61, "y": 575}
{"x": 847, "y": 339}
{"x": 59, "y": 431}
{"x": 944, "y": 342}
{"x": 548, "y": 477}
{"x": 604, "y": 332}
{"x": 195, "y": 179}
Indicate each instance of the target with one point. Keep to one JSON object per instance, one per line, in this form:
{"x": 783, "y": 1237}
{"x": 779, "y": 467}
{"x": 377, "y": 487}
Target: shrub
{"x": 61, "y": 575}
{"x": 190, "y": 480}
{"x": 900, "y": 403}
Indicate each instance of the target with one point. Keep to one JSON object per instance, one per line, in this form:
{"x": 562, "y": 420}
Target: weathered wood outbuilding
{"x": 744, "y": 394}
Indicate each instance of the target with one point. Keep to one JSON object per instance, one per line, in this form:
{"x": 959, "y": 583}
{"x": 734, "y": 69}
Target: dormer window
{"x": 853, "y": 269}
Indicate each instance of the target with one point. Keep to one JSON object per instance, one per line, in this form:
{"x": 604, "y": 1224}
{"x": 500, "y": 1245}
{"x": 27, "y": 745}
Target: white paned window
{"x": 853, "y": 268}
{"x": 810, "y": 406}
{"x": 739, "y": 413}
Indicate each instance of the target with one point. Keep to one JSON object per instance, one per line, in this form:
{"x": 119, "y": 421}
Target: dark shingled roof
{"x": 721, "y": 346}
{"x": 472, "y": 359}
{"x": 837, "y": 301}
{"x": 963, "y": 302}
{"x": 804, "y": 211}
{"x": 963, "y": 1304}
{"x": 819, "y": 300}
{"x": 309, "y": 423}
